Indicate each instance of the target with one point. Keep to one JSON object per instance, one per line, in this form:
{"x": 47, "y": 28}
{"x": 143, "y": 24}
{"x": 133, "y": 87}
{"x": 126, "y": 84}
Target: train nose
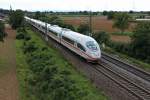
{"x": 95, "y": 55}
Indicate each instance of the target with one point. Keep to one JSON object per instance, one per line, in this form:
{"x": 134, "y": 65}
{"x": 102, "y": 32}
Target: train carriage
{"x": 83, "y": 45}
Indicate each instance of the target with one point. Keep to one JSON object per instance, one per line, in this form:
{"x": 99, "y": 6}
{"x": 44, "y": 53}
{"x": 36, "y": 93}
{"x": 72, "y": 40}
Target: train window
{"x": 33, "y": 22}
{"x": 52, "y": 32}
{"x": 68, "y": 40}
{"x": 91, "y": 45}
{"x": 80, "y": 47}
{"x": 43, "y": 27}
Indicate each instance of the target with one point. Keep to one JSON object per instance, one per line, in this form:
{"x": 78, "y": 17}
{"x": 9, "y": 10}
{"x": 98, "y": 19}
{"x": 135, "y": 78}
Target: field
{"x": 99, "y": 23}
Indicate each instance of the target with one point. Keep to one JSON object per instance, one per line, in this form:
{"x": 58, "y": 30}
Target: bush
{"x": 102, "y": 37}
{"x": 120, "y": 47}
{"x": 121, "y": 21}
{"x": 21, "y": 29}
{"x": 141, "y": 41}
{"x": 56, "y": 21}
{"x": 2, "y": 32}
{"x": 105, "y": 13}
{"x": 68, "y": 26}
{"x": 84, "y": 29}
{"x": 110, "y": 15}
{"x": 22, "y": 34}
{"x": 30, "y": 47}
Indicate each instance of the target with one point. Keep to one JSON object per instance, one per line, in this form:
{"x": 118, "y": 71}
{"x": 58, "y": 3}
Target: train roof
{"x": 36, "y": 21}
{"x": 55, "y": 28}
{"x": 77, "y": 36}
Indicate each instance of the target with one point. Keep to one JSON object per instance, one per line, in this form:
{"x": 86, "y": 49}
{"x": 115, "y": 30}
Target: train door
{"x": 60, "y": 36}
{"x": 75, "y": 44}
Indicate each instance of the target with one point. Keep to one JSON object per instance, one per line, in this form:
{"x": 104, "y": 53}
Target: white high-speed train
{"x": 83, "y": 45}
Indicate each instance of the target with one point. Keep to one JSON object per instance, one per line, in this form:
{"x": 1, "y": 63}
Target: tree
{"x": 16, "y": 18}
{"x": 102, "y": 37}
{"x": 37, "y": 15}
{"x": 105, "y": 13}
{"x": 2, "y": 33}
{"x": 121, "y": 21}
{"x": 131, "y": 11}
{"x": 141, "y": 41}
{"x": 69, "y": 26}
{"x": 40, "y": 16}
{"x": 56, "y": 20}
{"x": 84, "y": 29}
{"x": 110, "y": 15}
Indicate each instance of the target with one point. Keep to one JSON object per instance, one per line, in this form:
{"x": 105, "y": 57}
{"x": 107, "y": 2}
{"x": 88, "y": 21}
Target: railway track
{"x": 127, "y": 84}
{"x": 136, "y": 90}
{"x": 130, "y": 68}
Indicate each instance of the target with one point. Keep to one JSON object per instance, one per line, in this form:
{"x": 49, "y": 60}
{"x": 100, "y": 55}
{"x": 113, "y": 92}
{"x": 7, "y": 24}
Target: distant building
{"x": 2, "y": 16}
{"x": 143, "y": 19}
{"x": 147, "y": 17}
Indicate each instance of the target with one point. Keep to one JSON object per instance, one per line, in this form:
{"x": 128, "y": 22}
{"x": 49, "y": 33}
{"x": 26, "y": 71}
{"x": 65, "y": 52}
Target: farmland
{"x": 99, "y": 23}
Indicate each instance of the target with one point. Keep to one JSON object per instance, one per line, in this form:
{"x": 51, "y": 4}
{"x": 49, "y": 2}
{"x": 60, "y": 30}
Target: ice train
{"x": 84, "y": 46}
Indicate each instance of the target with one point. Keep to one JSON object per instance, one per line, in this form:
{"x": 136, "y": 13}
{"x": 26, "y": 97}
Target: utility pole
{"x": 10, "y": 8}
{"x": 46, "y": 32}
{"x": 90, "y": 23}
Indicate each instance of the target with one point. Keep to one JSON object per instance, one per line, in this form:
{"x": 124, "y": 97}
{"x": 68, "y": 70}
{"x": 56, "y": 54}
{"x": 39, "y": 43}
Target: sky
{"x": 76, "y": 5}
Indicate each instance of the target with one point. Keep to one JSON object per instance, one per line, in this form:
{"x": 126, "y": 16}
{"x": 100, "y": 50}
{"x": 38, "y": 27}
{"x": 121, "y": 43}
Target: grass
{"x": 123, "y": 34}
{"x": 22, "y": 70}
{"x": 129, "y": 59}
{"x": 81, "y": 80}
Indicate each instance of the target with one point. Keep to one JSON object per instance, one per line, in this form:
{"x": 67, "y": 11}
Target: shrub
{"x": 21, "y": 29}
{"x": 68, "y": 26}
{"x": 120, "y": 47}
{"x": 121, "y": 21}
{"x": 102, "y": 37}
{"x": 2, "y": 33}
{"x": 20, "y": 36}
{"x": 110, "y": 15}
{"x": 84, "y": 29}
{"x": 141, "y": 41}
{"x": 30, "y": 47}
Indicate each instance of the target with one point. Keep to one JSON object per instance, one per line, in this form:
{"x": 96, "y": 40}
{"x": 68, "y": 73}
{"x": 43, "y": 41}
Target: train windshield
{"x": 91, "y": 45}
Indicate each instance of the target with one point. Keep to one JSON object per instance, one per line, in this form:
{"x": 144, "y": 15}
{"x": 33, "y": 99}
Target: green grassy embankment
{"x": 49, "y": 76}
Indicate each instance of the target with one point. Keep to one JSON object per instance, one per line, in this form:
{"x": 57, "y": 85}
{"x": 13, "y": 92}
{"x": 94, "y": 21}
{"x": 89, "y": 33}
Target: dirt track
{"x": 8, "y": 79}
